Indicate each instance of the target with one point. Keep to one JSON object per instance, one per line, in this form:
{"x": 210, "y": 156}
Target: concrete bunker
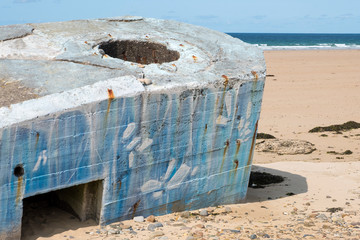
{"x": 82, "y": 201}
{"x": 158, "y": 148}
{"x": 139, "y": 51}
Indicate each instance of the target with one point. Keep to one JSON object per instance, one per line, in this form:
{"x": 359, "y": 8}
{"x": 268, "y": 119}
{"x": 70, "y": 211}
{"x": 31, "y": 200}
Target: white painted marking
{"x": 42, "y": 158}
{"x": 179, "y": 177}
{"x": 195, "y": 171}
{"x": 145, "y": 144}
{"x": 131, "y": 160}
{"x": 133, "y": 143}
{"x": 222, "y": 121}
{"x": 129, "y": 131}
{"x": 170, "y": 169}
{"x": 150, "y": 186}
{"x": 228, "y": 103}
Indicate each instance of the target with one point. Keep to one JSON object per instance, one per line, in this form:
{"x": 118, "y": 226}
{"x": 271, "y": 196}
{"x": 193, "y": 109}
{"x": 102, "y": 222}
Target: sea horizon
{"x": 300, "y": 41}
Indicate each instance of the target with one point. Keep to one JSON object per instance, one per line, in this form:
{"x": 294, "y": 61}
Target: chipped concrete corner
{"x": 153, "y": 116}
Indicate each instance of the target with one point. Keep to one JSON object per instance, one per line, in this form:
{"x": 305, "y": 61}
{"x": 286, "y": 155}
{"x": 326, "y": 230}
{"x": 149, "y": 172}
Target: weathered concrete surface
{"x": 183, "y": 142}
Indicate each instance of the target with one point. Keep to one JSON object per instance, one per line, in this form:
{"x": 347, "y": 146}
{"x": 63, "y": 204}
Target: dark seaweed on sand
{"x": 337, "y": 128}
{"x": 264, "y": 136}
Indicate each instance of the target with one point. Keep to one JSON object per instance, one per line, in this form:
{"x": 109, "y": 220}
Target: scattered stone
{"x": 125, "y": 226}
{"x": 253, "y": 236}
{"x": 285, "y": 147}
{"x": 190, "y": 238}
{"x": 139, "y": 219}
{"x": 204, "y": 212}
{"x": 151, "y": 218}
{"x": 198, "y": 234}
{"x": 308, "y": 235}
{"x": 185, "y": 214}
{"x": 228, "y": 209}
{"x": 200, "y": 225}
{"x": 266, "y": 236}
{"x": 153, "y": 226}
{"x": 309, "y": 224}
{"x": 157, "y": 234}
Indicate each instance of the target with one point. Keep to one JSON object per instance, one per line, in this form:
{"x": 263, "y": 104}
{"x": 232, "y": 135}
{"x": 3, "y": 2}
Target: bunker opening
{"x": 139, "y": 51}
{"x": 62, "y": 209}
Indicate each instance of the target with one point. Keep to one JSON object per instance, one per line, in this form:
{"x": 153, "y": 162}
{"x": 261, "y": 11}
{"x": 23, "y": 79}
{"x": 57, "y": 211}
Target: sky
{"x": 264, "y": 16}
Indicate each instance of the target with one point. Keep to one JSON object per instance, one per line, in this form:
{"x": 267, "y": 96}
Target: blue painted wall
{"x": 156, "y": 152}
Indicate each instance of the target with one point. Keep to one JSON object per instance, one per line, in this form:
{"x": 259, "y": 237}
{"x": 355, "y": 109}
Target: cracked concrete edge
{"x": 11, "y": 32}
{"x": 125, "y": 86}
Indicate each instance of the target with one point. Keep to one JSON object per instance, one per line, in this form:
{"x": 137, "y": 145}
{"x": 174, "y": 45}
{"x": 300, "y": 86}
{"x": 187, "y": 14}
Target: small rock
{"x": 185, "y": 214}
{"x": 200, "y": 225}
{"x": 309, "y": 224}
{"x": 125, "y": 226}
{"x": 151, "y": 218}
{"x": 190, "y": 238}
{"x": 266, "y": 236}
{"x": 253, "y": 236}
{"x": 198, "y": 234}
{"x": 153, "y": 226}
{"x": 204, "y": 212}
{"x": 322, "y": 217}
{"x": 157, "y": 234}
{"x": 308, "y": 235}
{"x": 228, "y": 209}
{"x": 139, "y": 219}
{"x": 164, "y": 238}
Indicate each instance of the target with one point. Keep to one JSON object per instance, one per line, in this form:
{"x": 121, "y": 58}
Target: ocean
{"x": 279, "y": 41}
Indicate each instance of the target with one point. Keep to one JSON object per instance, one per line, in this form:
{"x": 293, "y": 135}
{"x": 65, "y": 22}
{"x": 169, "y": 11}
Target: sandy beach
{"x": 320, "y": 195}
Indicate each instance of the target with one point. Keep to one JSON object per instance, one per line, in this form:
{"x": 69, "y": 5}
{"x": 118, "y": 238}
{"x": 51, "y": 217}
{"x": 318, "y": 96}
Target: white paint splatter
{"x": 157, "y": 195}
{"x": 145, "y": 144}
{"x": 170, "y": 169}
{"x": 150, "y": 186}
{"x": 222, "y": 121}
{"x": 228, "y": 103}
{"x": 129, "y": 131}
{"x": 131, "y": 160}
{"x": 42, "y": 158}
{"x": 195, "y": 171}
{"x": 248, "y": 110}
{"x": 179, "y": 177}
{"x": 133, "y": 143}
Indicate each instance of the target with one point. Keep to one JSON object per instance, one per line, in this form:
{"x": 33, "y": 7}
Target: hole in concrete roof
{"x": 139, "y": 51}
{"x": 19, "y": 170}
{"x": 61, "y": 210}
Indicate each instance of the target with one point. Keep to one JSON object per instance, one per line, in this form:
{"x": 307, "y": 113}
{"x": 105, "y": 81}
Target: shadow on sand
{"x": 293, "y": 184}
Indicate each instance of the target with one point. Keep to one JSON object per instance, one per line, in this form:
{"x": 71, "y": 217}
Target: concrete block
{"x": 90, "y": 124}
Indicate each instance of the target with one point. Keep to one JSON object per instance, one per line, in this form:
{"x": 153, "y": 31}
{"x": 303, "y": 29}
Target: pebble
{"x": 139, "y": 219}
{"x": 157, "y": 234}
{"x": 190, "y": 238}
{"x": 185, "y": 214}
{"x": 204, "y": 212}
{"x": 253, "y": 236}
{"x": 228, "y": 209}
{"x": 198, "y": 234}
{"x": 153, "y": 226}
{"x": 151, "y": 218}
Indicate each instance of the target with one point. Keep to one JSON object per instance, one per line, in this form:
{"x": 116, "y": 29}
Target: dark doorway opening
{"x": 50, "y": 213}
